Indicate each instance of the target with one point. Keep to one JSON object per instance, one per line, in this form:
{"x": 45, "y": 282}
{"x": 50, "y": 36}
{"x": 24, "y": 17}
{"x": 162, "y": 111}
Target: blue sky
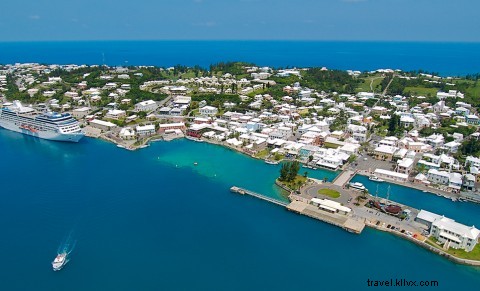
{"x": 411, "y": 20}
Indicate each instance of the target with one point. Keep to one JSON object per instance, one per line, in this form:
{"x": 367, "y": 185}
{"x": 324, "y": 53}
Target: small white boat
{"x": 120, "y": 146}
{"x": 375, "y": 178}
{"x": 59, "y": 261}
{"x": 357, "y": 185}
{"x": 195, "y": 164}
{"x": 272, "y": 162}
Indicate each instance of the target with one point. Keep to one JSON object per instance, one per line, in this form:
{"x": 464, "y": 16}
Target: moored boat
{"x": 357, "y": 185}
{"x": 375, "y": 178}
{"x": 272, "y": 162}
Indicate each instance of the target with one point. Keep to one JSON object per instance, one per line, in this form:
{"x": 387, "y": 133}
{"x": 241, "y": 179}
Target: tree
{"x": 310, "y": 159}
{"x": 305, "y": 174}
{"x": 284, "y": 172}
{"x": 393, "y": 124}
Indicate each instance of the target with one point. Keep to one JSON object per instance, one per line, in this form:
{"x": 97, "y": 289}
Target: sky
{"x": 379, "y": 20}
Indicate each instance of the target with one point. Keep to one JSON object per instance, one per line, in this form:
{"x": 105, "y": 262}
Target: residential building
{"x": 208, "y": 111}
{"x": 146, "y": 106}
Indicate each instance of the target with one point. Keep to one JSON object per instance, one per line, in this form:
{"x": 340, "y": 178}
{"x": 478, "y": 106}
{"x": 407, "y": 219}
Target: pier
{"x": 257, "y": 195}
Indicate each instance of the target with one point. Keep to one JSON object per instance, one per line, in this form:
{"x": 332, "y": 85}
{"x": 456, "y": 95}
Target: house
{"x": 146, "y": 106}
{"x": 449, "y": 232}
{"x": 100, "y": 124}
{"x": 468, "y": 182}
{"x": 81, "y": 112}
{"x": 208, "y": 111}
{"x": 170, "y": 126}
{"x": 472, "y": 161}
{"x": 438, "y": 177}
{"x": 145, "y": 130}
{"x": 405, "y": 166}
{"x": 116, "y": 114}
{"x": 384, "y": 152}
{"x": 390, "y": 175}
{"x": 127, "y": 133}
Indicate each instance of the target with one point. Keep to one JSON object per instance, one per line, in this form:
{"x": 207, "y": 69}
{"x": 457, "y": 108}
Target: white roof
{"x": 386, "y": 149}
{"x": 104, "y": 123}
{"x": 331, "y": 204}
{"x": 172, "y": 124}
{"x": 391, "y": 173}
{"x": 450, "y": 225}
{"x": 429, "y": 216}
{"x": 145, "y": 127}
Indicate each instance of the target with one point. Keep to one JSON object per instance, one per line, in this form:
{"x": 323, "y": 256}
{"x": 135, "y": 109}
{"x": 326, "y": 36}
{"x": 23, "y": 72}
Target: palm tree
{"x": 364, "y": 192}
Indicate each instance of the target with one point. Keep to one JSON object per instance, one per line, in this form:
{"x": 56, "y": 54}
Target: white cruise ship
{"x": 52, "y": 126}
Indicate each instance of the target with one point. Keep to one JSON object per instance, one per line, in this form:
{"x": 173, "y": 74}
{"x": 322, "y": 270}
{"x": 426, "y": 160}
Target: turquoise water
{"x": 150, "y": 220}
{"x": 447, "y": 58}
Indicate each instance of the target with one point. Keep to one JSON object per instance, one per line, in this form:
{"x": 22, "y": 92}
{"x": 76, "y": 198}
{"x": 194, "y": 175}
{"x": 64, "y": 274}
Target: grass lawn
{"x": 365, "y": 86}
{"x": 262, "y": 154}
{"x": 329, "y": 192}
{"x": 417, "y": 91}
{"x": 296, "y": 183}
{"x": 473, "y": 255}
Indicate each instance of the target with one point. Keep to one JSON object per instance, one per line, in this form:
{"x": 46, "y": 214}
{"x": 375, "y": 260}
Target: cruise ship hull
{"x": 50, "y": 135}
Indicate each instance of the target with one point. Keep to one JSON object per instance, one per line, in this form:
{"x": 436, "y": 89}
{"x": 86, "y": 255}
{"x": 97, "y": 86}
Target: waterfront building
{"x": 438, "y": 177}
{"x": 390, "y": 175}
{"x": 330, "y": 206}
{"x": 81, "y": 112}
{"x": 449, "y": 232}
{"x": 103, "y": 125}
{"x": 127, "y": 133}
{"x": 145, "y": 130}
{"x": 405, "y": 166}
{"x": 170, "y": 126}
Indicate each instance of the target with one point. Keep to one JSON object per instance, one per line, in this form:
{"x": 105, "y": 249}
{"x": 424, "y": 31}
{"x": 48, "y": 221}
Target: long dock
{"x": 257, "y": 195}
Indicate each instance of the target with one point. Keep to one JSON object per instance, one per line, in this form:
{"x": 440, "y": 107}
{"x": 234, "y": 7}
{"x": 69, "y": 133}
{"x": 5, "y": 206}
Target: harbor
{"x": 372, "y": 211}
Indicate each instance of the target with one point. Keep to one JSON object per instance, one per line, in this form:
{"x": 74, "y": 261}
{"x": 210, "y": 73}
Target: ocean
{"x": 446, "y": 58}
{"x": 152, "y": 220}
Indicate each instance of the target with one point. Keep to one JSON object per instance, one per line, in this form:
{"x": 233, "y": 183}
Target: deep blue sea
{"x": 151, "y": 220}
{"x": 446, "y": 58}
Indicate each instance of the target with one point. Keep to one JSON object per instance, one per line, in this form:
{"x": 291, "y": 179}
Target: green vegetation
{"x": 472, "y": 255}
{"x": 329, "y": 192}
{"x": 365, "y": 86}
{"x": 329, "y": 81}
{"x": 295, "y": 183}
{"x": 420, "y": 91}
{"x": 262, "y": 154}
{"x": 289, "y": 171}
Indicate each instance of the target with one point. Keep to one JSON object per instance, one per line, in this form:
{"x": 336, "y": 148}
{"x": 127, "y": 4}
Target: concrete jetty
{"x": 343, "y": 221}
{"x": 299, "y": 206}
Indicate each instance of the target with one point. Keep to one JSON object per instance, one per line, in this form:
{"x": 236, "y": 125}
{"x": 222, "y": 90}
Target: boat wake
{"x": 68, "y": 244}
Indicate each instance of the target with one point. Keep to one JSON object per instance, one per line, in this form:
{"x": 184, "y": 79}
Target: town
{"x": 417, "y": 129}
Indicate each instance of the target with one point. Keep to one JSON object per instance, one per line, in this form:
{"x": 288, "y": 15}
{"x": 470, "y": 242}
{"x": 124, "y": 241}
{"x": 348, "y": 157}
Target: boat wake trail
{"x": 68, "y": 244}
